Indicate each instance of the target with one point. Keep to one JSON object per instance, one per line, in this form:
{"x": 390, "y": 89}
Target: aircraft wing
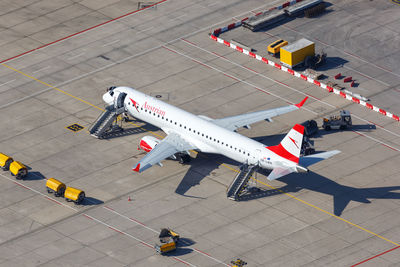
{"x": 169, "y": 146}
{"x": 235, "y": 122}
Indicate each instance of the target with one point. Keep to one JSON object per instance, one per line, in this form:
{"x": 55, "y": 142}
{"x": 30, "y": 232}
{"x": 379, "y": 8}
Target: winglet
{"x": 299, "y": 105}
{"x": 137, "y": 168}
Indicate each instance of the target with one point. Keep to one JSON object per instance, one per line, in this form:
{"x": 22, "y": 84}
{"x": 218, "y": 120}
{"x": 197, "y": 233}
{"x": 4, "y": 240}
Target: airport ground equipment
{"x": 238, "y": 263}
{"x": 299, "y": 7}
{"x": 274, "y": 48}
{"x": 74, "y": 194}
{"x": 104, "y": 122}
{"x": 313, "y": 62}
{"x": 264, "y": 19}
{"x": 338, "y": 122}
{"x": 310, "y": 128}
{"x": 55, "y": 186}
{"x": 18, "y": 170}
{"x": 307, "y": 147}
{"x": 239, "y": 184}
{"x": 168, "y": 241}
{"x": 295, "y": 54}
{"x": 315, "y": 10}
{"x": 5, "y": 161}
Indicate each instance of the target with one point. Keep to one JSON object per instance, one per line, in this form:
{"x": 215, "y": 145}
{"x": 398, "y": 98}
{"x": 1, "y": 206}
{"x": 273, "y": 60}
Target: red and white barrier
{"x": 349, "y": 97}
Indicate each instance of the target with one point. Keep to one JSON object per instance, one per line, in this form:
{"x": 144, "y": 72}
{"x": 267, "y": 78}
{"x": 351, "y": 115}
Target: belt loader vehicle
{"x": 168, "y": 240}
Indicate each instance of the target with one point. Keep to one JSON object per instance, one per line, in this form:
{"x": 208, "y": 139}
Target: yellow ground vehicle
{"x": 18, "y": 169}
{"x": 295, "y": 54}
{"x": 74, "y": 194}
{"x": 238, "y": 263}
{"x": 55, "y": 186}
{"x": 168, "y": 239}
{"x": 5, "y": 161}
{"x": 274, "y": 48}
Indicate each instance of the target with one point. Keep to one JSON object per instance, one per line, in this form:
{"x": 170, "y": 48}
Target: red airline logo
{"x": 135, "y": 104}
{"x": 294, "y": 142}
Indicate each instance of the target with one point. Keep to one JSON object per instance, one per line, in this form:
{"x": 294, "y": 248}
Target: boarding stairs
{"x": 105, "y": 120}
{"x": 239, "y": 184}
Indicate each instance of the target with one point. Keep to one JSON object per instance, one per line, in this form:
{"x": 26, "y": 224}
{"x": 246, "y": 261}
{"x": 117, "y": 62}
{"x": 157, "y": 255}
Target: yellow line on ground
{"x": 68, "y": 94}
{"x": 317, "y": 208}
{"x": 226, "y": 166}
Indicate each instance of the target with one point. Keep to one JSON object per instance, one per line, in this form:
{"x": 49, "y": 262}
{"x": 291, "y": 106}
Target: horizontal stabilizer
{"x": 312, "y": 159}
{"x": 278, "y": 172}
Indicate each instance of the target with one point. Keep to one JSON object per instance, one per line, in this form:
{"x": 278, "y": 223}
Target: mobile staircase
{"x": 105, "y": 120}
{"x": 239, "y": 184}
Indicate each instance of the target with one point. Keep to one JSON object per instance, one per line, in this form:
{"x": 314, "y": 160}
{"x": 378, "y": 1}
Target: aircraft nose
{"x": 108, "y": 98}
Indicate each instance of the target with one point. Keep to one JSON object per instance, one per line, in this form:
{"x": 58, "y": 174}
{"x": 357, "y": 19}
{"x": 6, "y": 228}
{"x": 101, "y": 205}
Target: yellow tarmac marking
{"x": 226, "y": 166}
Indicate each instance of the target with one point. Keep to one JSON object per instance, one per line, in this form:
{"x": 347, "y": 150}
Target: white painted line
{"x": 122, "y": 60}
{"x": 237, "y": 78}
{"x": 7, "y": 82}
{"x": 144, "y": 30}
{"x": 36, "y": 71}
{"x": 179, "y": 17}
{"x": 213, "y": 4}
{"x": 88, "y": 216}
{"x": 78, "y": 55}
{"x": 110, "y": 43}
{"x": 297, "y": 75}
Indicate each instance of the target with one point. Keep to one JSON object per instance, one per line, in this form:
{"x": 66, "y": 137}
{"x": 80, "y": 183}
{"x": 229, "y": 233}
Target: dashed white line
{"x": 145, "y": 30}
{"x": 110, "y": 43}
{"x": 39, "y": 70}
{"x": 90, "y": 217}
{"x": 7, "y": 82}
{"x": 283, "y": 84}
{"x": 78, "y": 55}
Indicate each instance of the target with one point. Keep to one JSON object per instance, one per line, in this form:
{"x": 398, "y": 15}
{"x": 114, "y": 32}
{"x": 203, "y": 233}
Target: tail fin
{"x": 290, "y": 146}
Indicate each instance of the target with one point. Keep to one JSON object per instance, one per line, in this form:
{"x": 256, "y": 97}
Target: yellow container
{"x": 5, "y": 161}
{"x": 55, "y": 186}
{"x": 274, "y": 48}
{"x": 165, "y": 247}
{"x": 18, "y": 169}
{"x": 295, "y": 54}
{"x": 73, "y": 194}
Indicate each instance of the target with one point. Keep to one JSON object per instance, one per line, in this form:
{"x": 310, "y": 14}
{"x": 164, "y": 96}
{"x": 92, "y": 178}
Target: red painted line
{"x": 261, "y": 90}
{"x": 87, "y": 216}
{"x": 375, "y": 124}
{"x": 387, "y": 251}
{"x": 169, "y": 49}
{"x": 21, "y": 185}
{"x": 218, "y": 54}
{"x": 230, "y": 77}
{"x": 194, "y": 60}
{"x": 187, "y": 41}
{"x": 147, "y": 245}
{"x": 108, "y": 208}
{"x": 137, "y": 221}
{"x": 198, "y": 250}
{"x": 392, "y": 148}
{"x": 80, "y": 32}
{"x": 250, "y": 69}
{"x": 54, "y": 200}
{"x": 118, "y": 231}
{"x": 184, "y": 262}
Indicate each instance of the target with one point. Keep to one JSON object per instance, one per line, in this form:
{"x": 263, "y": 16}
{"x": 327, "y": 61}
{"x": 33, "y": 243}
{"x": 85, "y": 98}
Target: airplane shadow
{"x": 342, "y": 195}
{"x": 124, "y": 131}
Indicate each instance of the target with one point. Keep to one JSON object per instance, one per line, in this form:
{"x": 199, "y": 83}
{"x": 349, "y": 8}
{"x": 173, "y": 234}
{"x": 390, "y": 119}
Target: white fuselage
{"x": 196, "y": 130}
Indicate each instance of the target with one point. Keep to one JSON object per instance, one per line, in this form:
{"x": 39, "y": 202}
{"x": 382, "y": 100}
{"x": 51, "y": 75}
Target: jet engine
{"x": 147, "y": 143}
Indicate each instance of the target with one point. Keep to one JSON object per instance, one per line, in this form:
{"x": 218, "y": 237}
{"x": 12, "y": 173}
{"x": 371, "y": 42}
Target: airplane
{"x": 186, "y": 131}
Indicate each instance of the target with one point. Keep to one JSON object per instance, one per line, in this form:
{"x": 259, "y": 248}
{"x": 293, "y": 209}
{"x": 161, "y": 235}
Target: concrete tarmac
{"x": 345, "y": 211}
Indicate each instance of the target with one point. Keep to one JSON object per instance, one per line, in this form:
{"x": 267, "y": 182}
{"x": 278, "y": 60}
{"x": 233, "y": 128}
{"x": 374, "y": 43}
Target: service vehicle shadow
{"x": 91, "y": 201}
